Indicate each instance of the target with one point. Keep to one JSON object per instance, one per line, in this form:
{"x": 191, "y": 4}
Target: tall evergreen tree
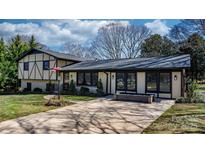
{"x": 16, "y": 46}
{"x": 2, "y": 48}
{"x": 195, "y": 46}
{"x": 8, "y": 65}
{"x": 33, "y": 43}
{"x": 156, "y": 45}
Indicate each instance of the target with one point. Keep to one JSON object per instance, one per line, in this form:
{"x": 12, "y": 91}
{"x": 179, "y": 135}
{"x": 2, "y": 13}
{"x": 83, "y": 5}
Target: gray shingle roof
{"x": 55, "y": 54}
{"x": 170, "y": 62}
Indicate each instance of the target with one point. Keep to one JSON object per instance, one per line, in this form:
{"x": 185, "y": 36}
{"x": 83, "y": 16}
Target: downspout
{"x": 106, "y": 82}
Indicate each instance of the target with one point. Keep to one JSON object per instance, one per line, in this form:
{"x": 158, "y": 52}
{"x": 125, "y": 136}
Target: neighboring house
{"x": 34, "y": 68}
{"x": 162, "y": 76}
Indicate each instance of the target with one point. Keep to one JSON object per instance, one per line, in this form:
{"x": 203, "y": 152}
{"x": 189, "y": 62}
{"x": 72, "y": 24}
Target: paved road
{"x": 96, "y": 116}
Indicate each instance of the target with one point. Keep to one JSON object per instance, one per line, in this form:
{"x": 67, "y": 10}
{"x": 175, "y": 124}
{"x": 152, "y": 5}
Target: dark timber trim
{"x": 106, "y": 82}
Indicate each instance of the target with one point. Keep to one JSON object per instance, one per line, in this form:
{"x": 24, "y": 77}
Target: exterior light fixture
{"x": 113, "y": 76}
{"x": 71, "y": 76}
{"x": 175, "y": 77}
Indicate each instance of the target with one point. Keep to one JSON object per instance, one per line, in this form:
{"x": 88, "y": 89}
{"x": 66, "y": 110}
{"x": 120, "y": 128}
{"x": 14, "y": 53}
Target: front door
{"x": 28, "y": 86}
{"x": 126, "y": 81}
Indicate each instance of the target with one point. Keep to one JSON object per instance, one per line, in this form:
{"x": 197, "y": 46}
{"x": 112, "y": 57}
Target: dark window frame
{"x": 44, "y": 66}
{"x": 151, "y": 91}
{"x": 158, "y": 90}
{"x": 84, "y": 80}
{"x": 26, "y": 66}
{"x": 125, "y": 81}
{"x": 170, "y": 82}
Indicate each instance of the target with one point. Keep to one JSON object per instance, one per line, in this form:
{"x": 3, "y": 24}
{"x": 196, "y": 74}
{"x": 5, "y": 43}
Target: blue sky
{"x": 55, "y": 33}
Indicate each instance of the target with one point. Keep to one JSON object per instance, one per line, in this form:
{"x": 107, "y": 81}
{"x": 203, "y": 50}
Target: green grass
{"x": 14, "y": 106}
{"x": 78, "y": 98}
{"x": 180, "y": 118}
{"x": 201, "y": 88}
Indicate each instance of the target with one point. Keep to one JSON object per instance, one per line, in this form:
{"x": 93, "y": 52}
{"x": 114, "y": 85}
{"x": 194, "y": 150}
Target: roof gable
{"x": 57, "y": 55}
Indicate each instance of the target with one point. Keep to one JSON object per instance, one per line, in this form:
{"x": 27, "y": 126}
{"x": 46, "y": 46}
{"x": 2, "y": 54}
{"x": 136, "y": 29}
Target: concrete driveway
{"x": 96, "y": 116}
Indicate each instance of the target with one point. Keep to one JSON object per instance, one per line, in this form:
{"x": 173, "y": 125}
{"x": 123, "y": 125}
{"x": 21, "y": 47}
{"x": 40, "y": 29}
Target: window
{"x": 159, "y": 82}
{"x": 46, "y": 65}
{"x": 65, "y": 81}
{"x": 66, "y": 77}
{"x": 80, "y": 78}
{"x": 94, "y": 78}
{"x": 120, "y": 81}
{"x": 87, "y": 78}
{"x": 151, "y": 78}
{"x": 25, "y": 66}
{"x": 126, "y": 81}
{"x": 131, "y": 81}
{"x": 165, "y": 85}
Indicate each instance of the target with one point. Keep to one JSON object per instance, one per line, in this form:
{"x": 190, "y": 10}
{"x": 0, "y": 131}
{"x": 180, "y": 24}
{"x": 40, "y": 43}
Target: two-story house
{"x": 35, "y": 68}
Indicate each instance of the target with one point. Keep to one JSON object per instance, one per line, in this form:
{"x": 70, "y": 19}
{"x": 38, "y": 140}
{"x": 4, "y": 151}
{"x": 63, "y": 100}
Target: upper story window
{"x": 46, "y": 65}
{"x": 87, "y": 78}
{"x": 25, "y": 66}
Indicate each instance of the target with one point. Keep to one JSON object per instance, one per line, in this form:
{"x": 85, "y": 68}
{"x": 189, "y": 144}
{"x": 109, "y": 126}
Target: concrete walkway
{"x": 96, "y": 116}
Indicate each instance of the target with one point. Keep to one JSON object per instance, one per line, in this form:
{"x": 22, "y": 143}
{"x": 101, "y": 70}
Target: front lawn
{"x": 78, "y": 98}
{"x": 180, "y": 118}
{"x": 14, "y": 106}
{"x": 201, "y": 88}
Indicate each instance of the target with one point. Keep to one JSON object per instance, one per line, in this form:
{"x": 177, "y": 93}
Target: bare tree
{"x": 79, "y": 50}
{"x": 132, "y": 39}
{"x": 116, "y": 41}
{"x": 108, "y": 42}
{"x": 187, "y": 27}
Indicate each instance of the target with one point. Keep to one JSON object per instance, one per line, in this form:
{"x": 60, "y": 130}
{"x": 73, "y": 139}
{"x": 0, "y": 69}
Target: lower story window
{"x": 158, "y": 82}
{"x": 65, "y": 81}
{"x": 126, "y": 81}
{"x": 87, "y": 78}
{"x": 165, "y": 79}
{"x": 131, "y": 81}
{"x": 120, "y": 81}
{"x": 151, "y": 80}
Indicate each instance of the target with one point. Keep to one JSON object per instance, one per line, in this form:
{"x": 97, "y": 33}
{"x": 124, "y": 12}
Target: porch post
{"x": 183, "y": 76}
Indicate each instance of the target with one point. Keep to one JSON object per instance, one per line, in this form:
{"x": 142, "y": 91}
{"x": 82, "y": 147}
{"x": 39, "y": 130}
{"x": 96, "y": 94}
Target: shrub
{"x": 72, "y": 88}
{"x": 191, "y": 89}
{"x": 39, "y": 90}
{"x": 183, "y": 100}
{"x": 84, "y": 91}
{"x": 99, "y": 88}
{"x": 66, "y": 86}
{"x": 189, "y": 100}
{"x": 25, "y": 90}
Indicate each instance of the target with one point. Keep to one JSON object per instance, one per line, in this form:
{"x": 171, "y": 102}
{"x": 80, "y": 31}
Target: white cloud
{"x": 158, "y": 27}
{"x": 56, "y": 32}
